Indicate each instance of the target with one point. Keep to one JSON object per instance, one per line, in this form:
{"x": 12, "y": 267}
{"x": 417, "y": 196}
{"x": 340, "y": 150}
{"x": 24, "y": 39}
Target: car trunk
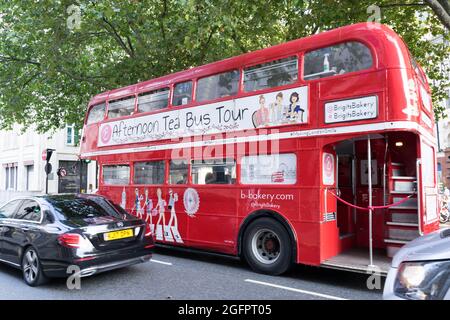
{"x": 108, "y": 233}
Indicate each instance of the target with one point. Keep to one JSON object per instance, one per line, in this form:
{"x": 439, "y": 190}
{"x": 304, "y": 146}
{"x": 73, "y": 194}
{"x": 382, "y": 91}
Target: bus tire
{"x": 267, "y": 247}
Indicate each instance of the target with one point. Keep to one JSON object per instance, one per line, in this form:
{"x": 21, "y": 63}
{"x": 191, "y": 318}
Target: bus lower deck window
{"x": 116, "y": 174}
{"x": 216, "y": 171}
{"x": 178, "y": 172}
{"x": 151, "y": 172}
{"x": 269, "y": 169}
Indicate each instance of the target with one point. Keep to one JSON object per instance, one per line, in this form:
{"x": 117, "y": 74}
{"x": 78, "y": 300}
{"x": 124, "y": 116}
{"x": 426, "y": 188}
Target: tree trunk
{"x": 442, "y": 10}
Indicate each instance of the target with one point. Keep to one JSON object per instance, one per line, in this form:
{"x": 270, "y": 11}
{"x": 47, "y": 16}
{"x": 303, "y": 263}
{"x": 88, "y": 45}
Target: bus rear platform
{"x": 357, "y": 260}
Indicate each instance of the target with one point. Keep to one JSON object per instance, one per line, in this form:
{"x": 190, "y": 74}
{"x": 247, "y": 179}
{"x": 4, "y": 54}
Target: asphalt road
{"x": 185, "y": 275}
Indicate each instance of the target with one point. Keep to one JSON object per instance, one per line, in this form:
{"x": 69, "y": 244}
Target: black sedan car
{"x": 45, "y": 235}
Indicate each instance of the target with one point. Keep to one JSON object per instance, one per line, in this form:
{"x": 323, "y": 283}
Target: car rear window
{"x": 79, "y": 208}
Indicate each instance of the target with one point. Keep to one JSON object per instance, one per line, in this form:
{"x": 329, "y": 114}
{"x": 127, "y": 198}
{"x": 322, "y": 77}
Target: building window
{"x": 70, "y": 135}
{"x": 29, "y": 176}
{"x": 116, "y": 174}
{"x": 182, "y": 93}
{"x": 149, "y": 172}
{"x": 6, "y": 178}
{"x": 11, "y": 177}
{"x": 335, "y": 60}
{"x": 217, "y": 86}
{"x": 217, "y": 171}
{"x": 271, "y": 74}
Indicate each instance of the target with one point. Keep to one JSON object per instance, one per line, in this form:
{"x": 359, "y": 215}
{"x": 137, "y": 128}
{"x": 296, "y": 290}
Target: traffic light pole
{"x": 81, "y": 175}
{"x": 46, "y": 178}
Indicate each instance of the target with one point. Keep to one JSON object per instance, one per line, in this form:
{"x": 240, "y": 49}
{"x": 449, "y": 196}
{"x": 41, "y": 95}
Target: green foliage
{"x": 48, "y": 71}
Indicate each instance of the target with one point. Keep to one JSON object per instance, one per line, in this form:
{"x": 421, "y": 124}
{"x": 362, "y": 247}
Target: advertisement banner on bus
{"x": 270, "y": 109}
{"x": 351, "y": 110}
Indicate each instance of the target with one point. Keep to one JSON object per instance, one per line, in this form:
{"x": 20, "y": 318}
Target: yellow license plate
{"x": 121, "y": 234}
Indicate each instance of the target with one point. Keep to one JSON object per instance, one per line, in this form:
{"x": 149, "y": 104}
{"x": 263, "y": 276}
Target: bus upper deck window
{"x": 96, "y": 114}
{"x": 417, "y": 70}
{"x": 182, "y": 93}
{"x": 339, "y": 59}
{"x": 121, "y": 107}
{"x": 218, "y": 86}
{"x": 153, "y": 100}
{"x": 271, "y": 74}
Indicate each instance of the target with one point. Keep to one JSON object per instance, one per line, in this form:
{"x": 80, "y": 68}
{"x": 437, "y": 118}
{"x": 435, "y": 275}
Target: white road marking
{"x": 326, "y": 296}
{"x": 161, "y": 262}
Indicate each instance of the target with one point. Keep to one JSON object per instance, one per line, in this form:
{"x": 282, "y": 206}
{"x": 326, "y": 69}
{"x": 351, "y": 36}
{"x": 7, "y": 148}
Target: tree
{"x": 51, "y": 62}
{"x": 442, "y": 10}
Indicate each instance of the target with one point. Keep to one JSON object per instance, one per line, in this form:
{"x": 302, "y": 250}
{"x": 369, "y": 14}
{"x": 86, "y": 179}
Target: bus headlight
{"x": 423, "y": 280}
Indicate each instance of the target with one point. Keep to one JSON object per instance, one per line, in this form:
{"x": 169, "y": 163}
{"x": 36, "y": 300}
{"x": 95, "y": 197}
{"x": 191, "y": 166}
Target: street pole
{"x": 46, "y": 178}
{"x": 369, "y": 181}
{"x": 48, "y": 154}
{"x": 81, "y": 175}
{"x": 437, "y": 134}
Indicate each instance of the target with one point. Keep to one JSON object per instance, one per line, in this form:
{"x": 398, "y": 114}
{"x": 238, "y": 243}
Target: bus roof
{"x": 390, "y": 52}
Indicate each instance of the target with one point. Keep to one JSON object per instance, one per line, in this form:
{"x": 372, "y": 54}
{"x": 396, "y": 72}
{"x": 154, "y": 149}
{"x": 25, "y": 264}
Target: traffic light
{"x": 46, "y": 155}
{"x": 49, "y": 154}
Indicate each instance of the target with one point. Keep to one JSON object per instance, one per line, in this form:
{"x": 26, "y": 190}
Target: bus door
{"x": 427, "y": 187}
{"x": 345, "y": 184}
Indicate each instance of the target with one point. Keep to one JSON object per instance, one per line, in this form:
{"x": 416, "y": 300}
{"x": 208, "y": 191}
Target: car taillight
{"x": 148, "y": 231}
{"x": 70, "y": 240}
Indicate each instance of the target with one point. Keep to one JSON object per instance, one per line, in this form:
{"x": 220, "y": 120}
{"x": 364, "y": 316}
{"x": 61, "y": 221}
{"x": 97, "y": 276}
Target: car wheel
{"x": 32, "y": 269}
{"x": 267, "y": 247}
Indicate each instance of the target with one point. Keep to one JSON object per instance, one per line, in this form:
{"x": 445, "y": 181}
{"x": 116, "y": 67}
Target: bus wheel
{"x": 267, "y": 247}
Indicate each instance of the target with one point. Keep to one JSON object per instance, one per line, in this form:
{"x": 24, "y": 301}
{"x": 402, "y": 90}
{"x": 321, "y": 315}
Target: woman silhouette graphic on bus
{"x": 160, "y": 206}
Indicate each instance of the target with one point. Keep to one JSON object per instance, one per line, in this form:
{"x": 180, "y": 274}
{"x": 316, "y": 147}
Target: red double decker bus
{"x": 319, "y": 151}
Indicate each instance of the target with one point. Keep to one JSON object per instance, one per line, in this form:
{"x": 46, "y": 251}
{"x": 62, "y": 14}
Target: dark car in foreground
{"x": 421, "y": 269}
{"x": 45, "y": 235}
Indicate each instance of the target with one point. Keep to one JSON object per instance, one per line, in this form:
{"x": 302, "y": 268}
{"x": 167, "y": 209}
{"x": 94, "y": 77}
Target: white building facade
{"x": 22, "y": 169}
{"x": 443, "y": 128}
